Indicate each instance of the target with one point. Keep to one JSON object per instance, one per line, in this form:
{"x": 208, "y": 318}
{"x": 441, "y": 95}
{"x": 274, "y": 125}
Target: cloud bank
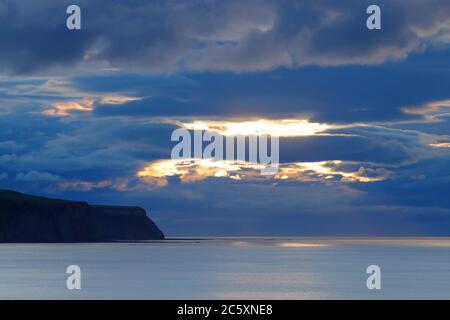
{"x": 213, "y": 35}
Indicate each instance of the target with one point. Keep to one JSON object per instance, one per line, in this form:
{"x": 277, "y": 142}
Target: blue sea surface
{"x": 230, "y": 268}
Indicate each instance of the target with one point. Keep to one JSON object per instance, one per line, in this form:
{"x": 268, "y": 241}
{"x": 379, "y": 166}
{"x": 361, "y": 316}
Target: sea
{"x": 229, "y": 268}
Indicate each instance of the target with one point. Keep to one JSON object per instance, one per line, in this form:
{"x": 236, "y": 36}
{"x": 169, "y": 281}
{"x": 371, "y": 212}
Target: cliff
{"x": 25, "y": 218}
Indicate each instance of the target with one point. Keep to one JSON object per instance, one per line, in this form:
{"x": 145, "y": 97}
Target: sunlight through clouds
{"x": 281, "y": 128}
{"x": 192, "y": 170}
{"x": 441, "y": 145}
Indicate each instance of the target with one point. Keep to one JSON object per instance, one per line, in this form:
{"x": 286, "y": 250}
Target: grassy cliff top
{"x": 15, "y": 196}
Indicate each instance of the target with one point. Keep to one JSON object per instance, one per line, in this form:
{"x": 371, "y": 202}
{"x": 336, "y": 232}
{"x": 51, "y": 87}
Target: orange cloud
{"x": 200, "y": 169}
{"x": 441, "y": 145}
{"x": 64, "y": 109}
{"x": 429, "y": 110}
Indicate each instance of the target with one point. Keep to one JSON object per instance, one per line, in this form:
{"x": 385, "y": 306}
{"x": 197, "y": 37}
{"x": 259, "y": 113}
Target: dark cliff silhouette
{"x": 25, "y": 218}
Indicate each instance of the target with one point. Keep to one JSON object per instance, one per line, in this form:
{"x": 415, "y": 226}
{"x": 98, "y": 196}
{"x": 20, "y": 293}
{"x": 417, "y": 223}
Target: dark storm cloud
{"x": 422, "y": 184}
{"x": 33, "y": 147}
{"x": 363, "y": 144}
{"x": 165, "y": 36}
{"x": 351, "y": 94}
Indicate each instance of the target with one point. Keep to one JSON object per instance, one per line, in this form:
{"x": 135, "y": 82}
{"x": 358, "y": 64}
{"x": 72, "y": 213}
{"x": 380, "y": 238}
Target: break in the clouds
{"x": 363, "y": 116}
{"x": 238, "y": 36}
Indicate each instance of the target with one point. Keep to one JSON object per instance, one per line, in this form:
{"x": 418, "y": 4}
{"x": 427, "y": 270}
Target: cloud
{"x": 433, "y": 111}
{"x": 37, "y": 176}
{"x": 214, "y": 35}
{"x": 10, "y": 146}
{"x": 441, "y": 145}
{"x": 194, "y": 170}
{"x": 321, "y": 95}
{"x": 5, "y": 158}
{"x": 64, "y": 109}
{"x": 84, "y": 186}
{"x": 281, "y": 128}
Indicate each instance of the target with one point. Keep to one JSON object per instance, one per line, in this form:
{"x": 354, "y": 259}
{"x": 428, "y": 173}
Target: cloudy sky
{"x": 88, "y": 114}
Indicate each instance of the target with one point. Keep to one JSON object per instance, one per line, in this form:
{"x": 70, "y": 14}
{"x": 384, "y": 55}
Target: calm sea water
{"x": 231, "y": 268}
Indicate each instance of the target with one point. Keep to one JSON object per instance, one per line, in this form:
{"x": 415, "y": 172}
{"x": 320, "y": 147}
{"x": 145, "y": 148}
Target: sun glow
{"x": 200, "y": 169}
{"x": 330, "y": 170}
{"x": 441, "y": 145}
{"x": 281, "y": 128}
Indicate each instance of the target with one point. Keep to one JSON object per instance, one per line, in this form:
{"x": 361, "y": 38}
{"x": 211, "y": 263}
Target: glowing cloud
{"x": 117, "y": 184}
{"x": 80, "y": 185}
{"x": 441, "y": 145}
{"x": 331, "y": 171}
{"x": 197, "y": 169}
{"x": 116, "y": 99}
{"x": 430, "y": 110}
{"x": 64, "y": 109}
{"x": 200, "y": 169}
{"x": 281, "y": 128}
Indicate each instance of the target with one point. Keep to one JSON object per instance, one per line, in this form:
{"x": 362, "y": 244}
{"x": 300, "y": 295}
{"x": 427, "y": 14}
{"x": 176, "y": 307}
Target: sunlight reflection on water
{"x": 229, "y": 268}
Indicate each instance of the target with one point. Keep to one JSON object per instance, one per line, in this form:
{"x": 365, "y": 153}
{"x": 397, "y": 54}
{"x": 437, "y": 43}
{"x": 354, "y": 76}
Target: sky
{"x": 363, "y": 115}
